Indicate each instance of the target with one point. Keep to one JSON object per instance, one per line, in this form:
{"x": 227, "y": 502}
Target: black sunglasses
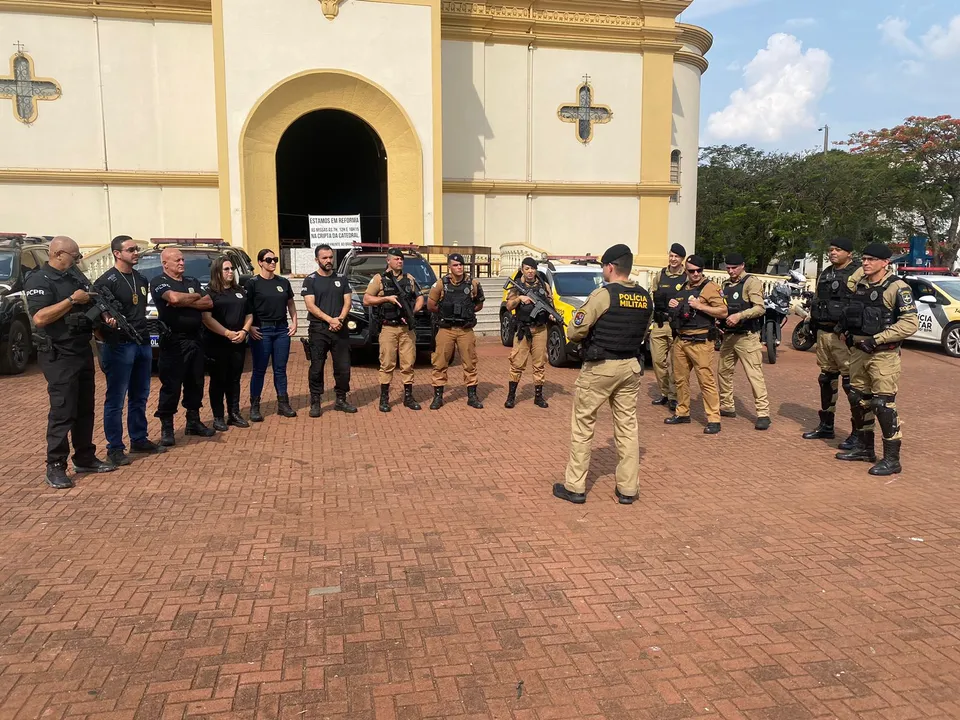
{"x": 270, "y": 260}
{"x": 695, "y": 271}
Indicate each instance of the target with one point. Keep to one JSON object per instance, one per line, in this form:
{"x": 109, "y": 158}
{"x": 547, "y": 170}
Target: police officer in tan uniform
{"x": 692, "y": 318}
{"x": 741, "y": 340}
{"x": 611, "y": 327}
{"x": 669, "y": 284}
{"x": 396, "y": 336}
{"x": 879, "y": 316}
{"x": 530, "y": 340}
{"x": 457, "y": 299}
{"x": 833, "y": 356}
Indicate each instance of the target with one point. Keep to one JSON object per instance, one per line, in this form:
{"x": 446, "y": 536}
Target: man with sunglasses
{"x": 692, "y": 317}
{"x": 879, "y": 316}
{"x": 670, "y": 283}
{"x": 126, "y": 364}
{"x": 61, "y": 313}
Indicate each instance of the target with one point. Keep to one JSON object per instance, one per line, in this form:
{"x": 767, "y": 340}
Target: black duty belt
{"x": 273, "y": 323}
{"x": 694, "y": 338}
{"x": 393, "y": 323}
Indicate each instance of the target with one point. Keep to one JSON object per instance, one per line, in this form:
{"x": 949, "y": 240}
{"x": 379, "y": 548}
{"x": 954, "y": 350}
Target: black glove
{"x": 867, "y": 346}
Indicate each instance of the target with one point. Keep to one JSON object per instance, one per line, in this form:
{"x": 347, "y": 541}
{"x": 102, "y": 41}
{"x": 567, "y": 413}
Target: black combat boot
{"x": 220, "y": 425}
{"x": 662, "y": 400}
{"x": 472, "y": 399}
{"x": 850, "y": 441}
{"x": 511, "y": 395}
{"x": 118, "y": 457}
{"x": 93, "y": 465}
{"x": 538, "y": 397}
{"x": 234, "y": 417}
{"x": 408, "y": 401}
{"x": 341, "y": 405}
{"x": 166, "y": 432}
{"x": 384, "y": 397}
{"x": 437, "y": 398}
{"x": 315, "y": 409}
{"x": 283, "y": 407}
{"x": 57, "y": 477}
{"x": 890, "y": 465}
{"x": 823, "y": 431}
{"x": 863, "y": 449}
{"x": 145, "y": 447}
{"x": 196, "y": 427}
{"x": 255, "y": 415}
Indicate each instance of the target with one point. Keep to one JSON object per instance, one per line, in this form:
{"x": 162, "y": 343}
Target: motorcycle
{"x": 804, "y": 336}
{"x": 777, "y": 304}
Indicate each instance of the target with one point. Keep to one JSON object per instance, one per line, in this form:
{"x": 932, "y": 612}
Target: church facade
{"x": 566, "y": 125}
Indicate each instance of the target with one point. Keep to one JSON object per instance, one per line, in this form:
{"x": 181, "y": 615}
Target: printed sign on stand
{"x": 338, "y": 231}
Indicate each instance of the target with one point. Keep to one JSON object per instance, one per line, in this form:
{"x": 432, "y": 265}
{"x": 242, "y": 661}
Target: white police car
{"x": 938, "y": 310}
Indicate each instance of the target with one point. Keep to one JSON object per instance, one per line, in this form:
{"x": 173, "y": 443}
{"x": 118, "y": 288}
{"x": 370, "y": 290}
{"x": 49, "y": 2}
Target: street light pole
{"x": 826, "y": 137}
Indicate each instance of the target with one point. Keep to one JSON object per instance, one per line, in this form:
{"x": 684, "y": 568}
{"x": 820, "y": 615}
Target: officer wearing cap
{"x": 669, "y": 285}
{"x": 743, "y": 295}
{"x": 693, "y": 318}
{"x": 457, "y": 299}
{"x": 879, "y": 316}
{"x": 611, "y": 327}
{"x": 530, "y": 340}
{"x": 385, "y": 291}
{"x": 61, "y": 311}
{"x": 834, "y": 288}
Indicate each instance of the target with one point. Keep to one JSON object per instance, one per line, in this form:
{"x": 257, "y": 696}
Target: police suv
{"x": 938, "y": 310}
{"x": 20, "y": 255}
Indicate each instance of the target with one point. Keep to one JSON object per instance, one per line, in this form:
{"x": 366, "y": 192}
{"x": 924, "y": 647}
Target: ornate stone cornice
{"x": 174, "y": 10}
{"x": 108, "y": 177}
{"x": 528, "y": 187}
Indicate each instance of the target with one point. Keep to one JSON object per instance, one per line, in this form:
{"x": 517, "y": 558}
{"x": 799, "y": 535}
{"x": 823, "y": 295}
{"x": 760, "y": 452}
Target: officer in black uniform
{"x": 61, "y": 311}
{"x": 327, "y": 296}
{"x": 180, "y": 302}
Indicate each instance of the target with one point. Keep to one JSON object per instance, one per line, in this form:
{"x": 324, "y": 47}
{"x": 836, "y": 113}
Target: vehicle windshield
{"x": 6, "y": 264}
{"x": 196, "y": 265}
{"x": 577, "y": 284}
{"x": 362, "y": 269}
{"x": 950, "y": 287}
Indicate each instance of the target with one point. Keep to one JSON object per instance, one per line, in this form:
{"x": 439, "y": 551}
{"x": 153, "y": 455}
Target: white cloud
{"x": 783, "y": 85}
{"x": 801, "y": 22}
{"x": 705, "y": 8}
{"x": 734, "y": 66}
{"x": 942, "y": 42}
{"x": 894, "y": 32}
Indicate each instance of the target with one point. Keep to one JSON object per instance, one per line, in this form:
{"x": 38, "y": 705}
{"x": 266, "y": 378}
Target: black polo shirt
{"x": 328, "y": 292}
{"x": 124, "y": 288}
{"x": 183, "y": 320}
{"x": 230, "y": 308}
{"x": 268, "y": 299}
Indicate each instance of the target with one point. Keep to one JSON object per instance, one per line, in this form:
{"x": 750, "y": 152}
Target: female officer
{"x": 270, "y": 299}
{"x": 225, "y": 342}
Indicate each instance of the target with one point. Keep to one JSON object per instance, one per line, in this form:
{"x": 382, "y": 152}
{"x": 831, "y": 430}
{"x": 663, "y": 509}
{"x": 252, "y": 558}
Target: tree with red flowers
{"x": 925, "y": 152}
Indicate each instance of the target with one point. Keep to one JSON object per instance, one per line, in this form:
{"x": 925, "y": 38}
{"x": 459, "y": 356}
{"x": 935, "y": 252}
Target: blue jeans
{"x": 127, "y": 367}
{"x": 274, "y": 346}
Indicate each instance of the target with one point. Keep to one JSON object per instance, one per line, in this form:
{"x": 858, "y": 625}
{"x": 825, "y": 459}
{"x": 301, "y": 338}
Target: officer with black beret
{"x": 61, "y": 311}
{"x": 670, "y": 282}
{"x": 611, "y": 327}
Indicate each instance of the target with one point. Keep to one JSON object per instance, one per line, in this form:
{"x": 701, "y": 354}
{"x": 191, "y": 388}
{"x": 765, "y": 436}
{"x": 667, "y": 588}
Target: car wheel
{"x": 951, "y": 340}
{"x": 15, "y": 353}
{"x": 507, "y": 329}
{"x": 556, "y": 346}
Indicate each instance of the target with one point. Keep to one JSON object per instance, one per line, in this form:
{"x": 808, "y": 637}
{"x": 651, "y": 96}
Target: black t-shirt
{"x": 268, "y": 299}
{"x": 186, "y": 320}
{"x": 124, "y": 288}
{"x": 328, "y": 292}
{"x": 229, "y": 308}
{"x": 48, "y": 286}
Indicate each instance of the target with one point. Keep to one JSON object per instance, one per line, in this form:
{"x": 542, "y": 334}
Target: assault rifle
{"x": 406, "y": 309}
{"x": 104, "y": 303}
{"x": 539, "y": 305}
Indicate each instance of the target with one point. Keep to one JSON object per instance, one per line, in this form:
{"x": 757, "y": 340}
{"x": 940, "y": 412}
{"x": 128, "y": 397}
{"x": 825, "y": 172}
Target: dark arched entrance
{"x": 330, "y": 162}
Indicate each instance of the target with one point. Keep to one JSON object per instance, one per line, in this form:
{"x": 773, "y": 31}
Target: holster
{"x": 306, "y": 349}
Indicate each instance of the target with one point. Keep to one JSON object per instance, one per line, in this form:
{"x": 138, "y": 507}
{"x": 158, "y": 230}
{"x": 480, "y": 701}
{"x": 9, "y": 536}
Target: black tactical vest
{"x": 687, "y": 320}
{"x": 865, "y": 312}
{"x": 736, "y": 303}
{"x": 620, "y": 331}
{"x": 525, "y": 310}
{"x": 668, "y": 288}
{"x": 456, "y": 306}
{"x": 831, "y": 296}
{"x": 394, "y": 287}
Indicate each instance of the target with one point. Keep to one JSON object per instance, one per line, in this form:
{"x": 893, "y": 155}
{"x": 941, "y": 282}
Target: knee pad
{"x": 857, "y": 396}
{"x": 846, "y": 384}
{"x": 879, "y": 403}
{"x": 827, "y": 378}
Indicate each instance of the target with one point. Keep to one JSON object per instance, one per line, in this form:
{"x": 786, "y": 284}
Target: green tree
{"x": 925, "y": 152}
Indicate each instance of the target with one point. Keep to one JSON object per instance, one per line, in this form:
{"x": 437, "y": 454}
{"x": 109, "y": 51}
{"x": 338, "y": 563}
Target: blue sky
{"x": 779, "y": 69}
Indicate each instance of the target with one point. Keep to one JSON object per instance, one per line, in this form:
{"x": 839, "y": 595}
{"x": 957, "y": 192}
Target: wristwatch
{"x": 72, "y": 301}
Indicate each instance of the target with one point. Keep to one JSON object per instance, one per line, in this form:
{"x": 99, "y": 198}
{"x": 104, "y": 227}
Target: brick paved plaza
{"x": 415, "y": 565}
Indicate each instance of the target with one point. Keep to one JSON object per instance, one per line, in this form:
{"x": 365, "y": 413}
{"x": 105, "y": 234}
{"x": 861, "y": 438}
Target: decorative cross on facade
{"x": 585, "y": 114}
{"x": 25, "y": 89}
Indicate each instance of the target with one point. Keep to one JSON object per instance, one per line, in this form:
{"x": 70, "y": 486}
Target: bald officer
{"x": 669, "y": 284}
{"x": 692, "y": 318}
{"x": 880, "y": 315}
{"x": 611, "y": 327}
{"x": 743, "y": 295}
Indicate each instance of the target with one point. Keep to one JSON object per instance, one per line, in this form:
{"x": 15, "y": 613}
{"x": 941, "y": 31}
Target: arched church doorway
{"x": 331, "y": 162}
